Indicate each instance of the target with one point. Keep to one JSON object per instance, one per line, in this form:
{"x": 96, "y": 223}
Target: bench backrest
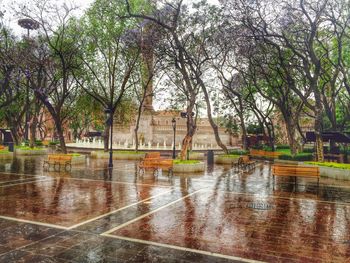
{"x": 152, "y": 155}
{"x": 65, "y": 157}
{"x": 59, "y": 157}
{"x": 245, "y": 159}
{"x": 290, "y": 170}
{"x": 167, "y": 162}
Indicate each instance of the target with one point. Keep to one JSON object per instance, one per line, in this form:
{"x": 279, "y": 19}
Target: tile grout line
{"x": 13, "y": 181}
{"x": 284, "y": 197}
{"x": 117, "y": 210}
{"x": 203, "y": 252}
{"x": 28, "y": 182}
{"x": 151, "y": 212}
{"x": 33, "y": 222}
{"x": 118, "y": 182}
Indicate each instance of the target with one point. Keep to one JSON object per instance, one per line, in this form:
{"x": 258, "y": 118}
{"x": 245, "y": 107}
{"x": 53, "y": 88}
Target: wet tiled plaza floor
{"x": 93, "y": 214}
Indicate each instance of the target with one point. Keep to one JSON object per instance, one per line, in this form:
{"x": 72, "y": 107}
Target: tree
{"x": 109, "y": 56}
{"x": 186, "y": 36}
{"x": 53, "y": 60}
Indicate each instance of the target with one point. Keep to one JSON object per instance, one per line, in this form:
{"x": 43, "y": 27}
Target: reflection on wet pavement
{"x": 93, "y": 214}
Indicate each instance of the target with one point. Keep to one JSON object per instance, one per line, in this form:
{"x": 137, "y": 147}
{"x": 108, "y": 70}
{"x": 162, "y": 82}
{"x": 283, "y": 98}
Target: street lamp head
{"x": 28, "y": 23}
{"x": 173, "y": 122}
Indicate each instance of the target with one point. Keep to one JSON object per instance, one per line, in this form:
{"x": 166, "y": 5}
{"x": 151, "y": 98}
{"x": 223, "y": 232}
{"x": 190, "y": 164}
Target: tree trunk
{"x": 34, "y": 123}
{"x": 191, "y": 129}
{"x": 106, "y": 136}
{"x": 242, "y": 121}
{"x": 318, "y": 133}
{"x": 291, "y": 129}
{"x": 15, "y": 135}
{"x": 210, "y": 118}
{"x": 59, "y": 129}
{"x": 138, "y": 124}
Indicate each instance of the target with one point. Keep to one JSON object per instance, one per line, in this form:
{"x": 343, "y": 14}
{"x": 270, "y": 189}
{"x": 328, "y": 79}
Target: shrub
{"x": 267, "y": 148}
{"x": 54, "y": 143}
{"x": 298, "y": 157}
{"x": 238, "y": 152}
{"x": 257, "y": 147}
{"x": 308, "y": 150}
{"x": 282, "y": 147}
{"x": 38, "y": 143}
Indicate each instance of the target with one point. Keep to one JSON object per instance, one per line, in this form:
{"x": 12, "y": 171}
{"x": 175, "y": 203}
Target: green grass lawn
{"x": 345, "y": 166}
{"x": 4, "y": 151}
{"x": 285, "y": 151}
{"x": 26, "y": 148}
{"x": 74, "y": 154}
{"x": 186, "y": 162}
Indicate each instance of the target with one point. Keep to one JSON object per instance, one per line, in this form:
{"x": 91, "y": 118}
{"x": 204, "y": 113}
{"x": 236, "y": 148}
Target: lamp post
{"x": 173, "y": 122}
{"x": 28, "y": 24}
{"x": 109, "y": 117}
{"x": 271, "y": 133}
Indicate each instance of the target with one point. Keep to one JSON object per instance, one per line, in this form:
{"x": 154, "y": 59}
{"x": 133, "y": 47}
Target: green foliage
{"x": 308, "y": 150}
{"x": 282, "y": 146}
{"x": 27, "y": 148}
{"x": 257, "y": 147}
{"x": 54, "y": 143}
{"x": 298, "y": 157}
{"x": 74, "y": 154}
{"x": 186, "y": 161}
{"x": 238, "y": 152}
{"x": 253, "y": 128}
{"x": 4, "y": 151}
{"x": 38, "y": 143}
{"x": 345, "y": 166}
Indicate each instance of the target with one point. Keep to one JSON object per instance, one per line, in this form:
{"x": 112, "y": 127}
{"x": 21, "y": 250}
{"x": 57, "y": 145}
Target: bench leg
{"x": 141, "y": 172}
{"x": 68, "y": 165}
{"x": 46, "y": 166}
{"x": 55, "y": 165}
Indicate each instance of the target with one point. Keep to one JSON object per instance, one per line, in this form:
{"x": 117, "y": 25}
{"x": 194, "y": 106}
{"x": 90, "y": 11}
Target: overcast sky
{"x": 11, "y": 20}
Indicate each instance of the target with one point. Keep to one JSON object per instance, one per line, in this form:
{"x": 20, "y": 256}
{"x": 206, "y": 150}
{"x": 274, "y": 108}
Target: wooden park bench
{"x": 296, "y": 171}
{"x": 58, "y": 160}
{"x": 244, "y": 163}
{"x": 264, "y": 154}
{"x": 153, "y": 161}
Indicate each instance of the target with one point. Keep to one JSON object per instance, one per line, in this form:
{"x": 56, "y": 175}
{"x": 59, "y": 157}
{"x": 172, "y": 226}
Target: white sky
{"x": 160, "y": 102}
{"x": 11, "y": 20}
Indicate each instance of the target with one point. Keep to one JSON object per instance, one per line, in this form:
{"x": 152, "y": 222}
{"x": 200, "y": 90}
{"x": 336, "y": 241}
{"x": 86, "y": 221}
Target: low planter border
{"x": 222, "y": 159}
{"x": 6, "y": 155}
{"x": 19, "y": 151}
{"x": 78, "y": 159}
{"x": 118, "y": 155}
{"x": 189, "y": 167}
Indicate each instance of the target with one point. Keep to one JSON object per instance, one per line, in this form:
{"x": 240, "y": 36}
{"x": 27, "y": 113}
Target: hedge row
{"x": 298, "y": 157}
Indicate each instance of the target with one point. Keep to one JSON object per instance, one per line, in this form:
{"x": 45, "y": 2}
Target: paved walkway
{"x": 92, "y": 214}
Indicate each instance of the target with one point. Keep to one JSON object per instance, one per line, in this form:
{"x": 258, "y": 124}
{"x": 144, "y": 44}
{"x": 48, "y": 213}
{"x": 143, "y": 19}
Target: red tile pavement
{"x": 254, "y": 227}
{"x": 66, "y": 202}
